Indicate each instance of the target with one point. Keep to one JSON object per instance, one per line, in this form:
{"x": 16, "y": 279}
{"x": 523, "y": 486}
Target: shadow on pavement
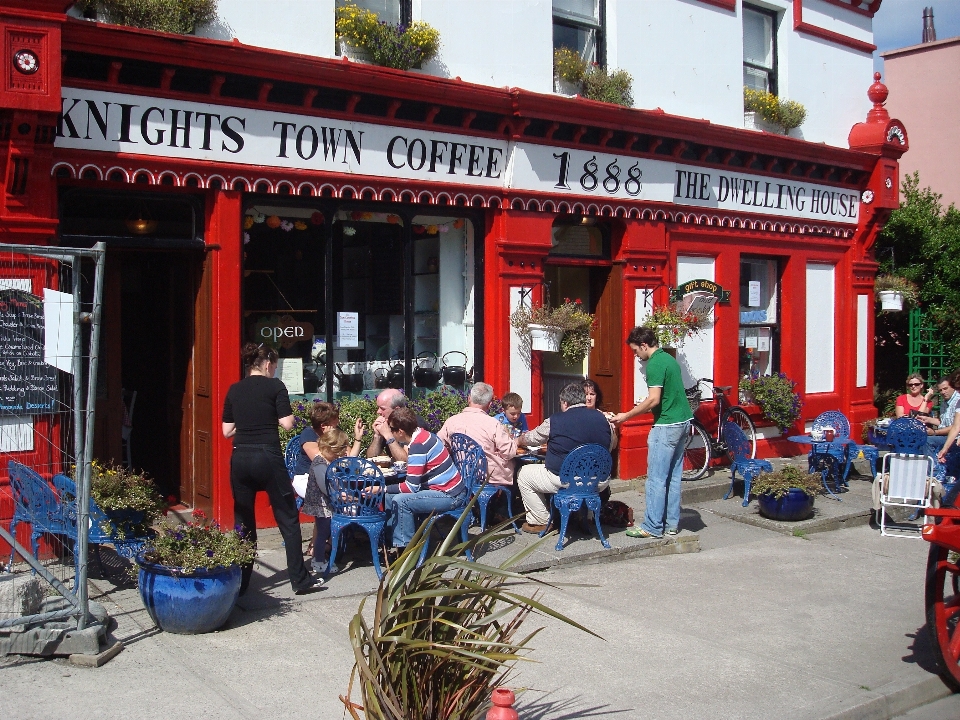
{"x": 545, "y": 708}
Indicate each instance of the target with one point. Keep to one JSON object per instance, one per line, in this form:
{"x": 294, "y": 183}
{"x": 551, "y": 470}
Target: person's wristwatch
{"x": 391, "y": 440}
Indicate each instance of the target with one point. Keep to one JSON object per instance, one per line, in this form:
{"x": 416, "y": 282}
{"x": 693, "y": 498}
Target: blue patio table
{"x": 820, "y": 458}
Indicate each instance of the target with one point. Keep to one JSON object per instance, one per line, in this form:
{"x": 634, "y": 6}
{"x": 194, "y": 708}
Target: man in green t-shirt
{"x": 668, "y": 437}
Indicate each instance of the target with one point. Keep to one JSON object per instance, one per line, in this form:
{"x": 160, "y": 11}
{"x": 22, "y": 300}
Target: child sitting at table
{"x": 333, "y": 443}
{"x": 512, "y": 415}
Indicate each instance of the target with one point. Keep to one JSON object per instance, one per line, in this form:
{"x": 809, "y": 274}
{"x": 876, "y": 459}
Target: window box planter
{"x": 566, "y": 87}
{"x": 354, "y": 53}
{"x": 754, "y": 121}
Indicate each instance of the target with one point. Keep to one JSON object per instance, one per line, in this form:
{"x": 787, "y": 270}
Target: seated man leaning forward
{"x": 384, "y": 443}
{"x": 575, "y": 425}
{"x": 490, "y": 434}
{"x": 433, "y": 484}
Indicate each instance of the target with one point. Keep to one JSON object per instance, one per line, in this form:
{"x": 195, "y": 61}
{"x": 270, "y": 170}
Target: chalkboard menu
{"x": 28, "y": 386}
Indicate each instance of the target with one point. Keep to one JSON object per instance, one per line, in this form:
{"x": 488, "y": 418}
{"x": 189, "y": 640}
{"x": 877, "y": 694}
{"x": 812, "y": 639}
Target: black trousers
{"x": 255, "y": 468}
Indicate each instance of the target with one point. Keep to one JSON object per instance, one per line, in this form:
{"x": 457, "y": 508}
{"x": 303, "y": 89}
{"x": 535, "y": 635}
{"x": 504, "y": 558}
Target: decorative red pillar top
{"x": 502, "y": 705}
{"x": 879, "y": 134}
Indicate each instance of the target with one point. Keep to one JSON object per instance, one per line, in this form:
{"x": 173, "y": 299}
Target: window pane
{"x": 756, "y": 79}
{"x": 386, "y": 10}
{"x": 759, "y": 319}
{"x": 757, "y": 38}
{"x": 583, "y": 40}
{"x": 581, "y": 8}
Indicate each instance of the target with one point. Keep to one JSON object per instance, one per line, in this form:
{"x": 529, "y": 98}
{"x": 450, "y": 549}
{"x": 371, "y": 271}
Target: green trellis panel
{"x": 927, "y": 354}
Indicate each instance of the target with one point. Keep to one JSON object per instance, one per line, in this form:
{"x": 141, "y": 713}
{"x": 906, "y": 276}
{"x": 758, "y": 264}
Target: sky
{"x": 899, "y": 23}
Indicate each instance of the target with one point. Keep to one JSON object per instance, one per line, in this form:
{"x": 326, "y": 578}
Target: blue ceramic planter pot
{"x": 795, "y": 505}
{"x": 198, "y": 602}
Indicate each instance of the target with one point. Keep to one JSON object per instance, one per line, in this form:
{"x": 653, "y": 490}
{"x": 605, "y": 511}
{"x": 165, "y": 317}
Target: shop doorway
{"x": 599, "y": 288}
{"x": 146, "y": 399}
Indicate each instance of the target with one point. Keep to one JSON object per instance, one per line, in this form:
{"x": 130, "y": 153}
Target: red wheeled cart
{"x": 943, "y": 590}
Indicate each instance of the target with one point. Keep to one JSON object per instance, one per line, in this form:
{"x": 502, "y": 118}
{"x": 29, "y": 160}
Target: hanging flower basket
{"x": 545, "y": 337}
{"x": 891, "y": 300}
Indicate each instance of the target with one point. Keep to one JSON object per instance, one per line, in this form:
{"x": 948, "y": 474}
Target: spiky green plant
{"x": 443, "y": 634}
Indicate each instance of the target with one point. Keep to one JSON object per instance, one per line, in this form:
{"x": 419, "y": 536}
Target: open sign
{"x": 281, "y": 331}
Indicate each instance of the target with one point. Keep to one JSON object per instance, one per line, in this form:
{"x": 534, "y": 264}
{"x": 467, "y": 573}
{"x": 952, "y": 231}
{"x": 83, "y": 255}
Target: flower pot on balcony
{"x": 755, "y": 121}
{"x": 565, "y": 87}
{"x": 891, "y": 300}
{"x": 545, "y": 338}
{"x": 354, "y": 53}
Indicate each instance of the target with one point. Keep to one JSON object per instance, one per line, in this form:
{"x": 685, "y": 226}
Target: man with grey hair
{"x": 384, "y": 442}
{"x": 574, "y": 425}
{"x": 489, "y": 433}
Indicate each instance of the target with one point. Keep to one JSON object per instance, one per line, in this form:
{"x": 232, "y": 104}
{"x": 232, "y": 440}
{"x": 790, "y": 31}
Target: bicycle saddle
{"x": 723, "y": 388}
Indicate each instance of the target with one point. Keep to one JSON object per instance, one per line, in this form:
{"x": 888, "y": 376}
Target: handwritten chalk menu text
{"x": 28, "y": 386}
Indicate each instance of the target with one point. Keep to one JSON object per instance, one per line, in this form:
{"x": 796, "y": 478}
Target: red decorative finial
{"x": 502, "y": 705}
{"x": 878, "y": 96}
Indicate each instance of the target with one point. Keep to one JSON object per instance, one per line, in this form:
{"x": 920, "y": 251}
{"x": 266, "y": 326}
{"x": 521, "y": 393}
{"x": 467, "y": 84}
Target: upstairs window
{"x": 395, "y": 12}
{"x": 578, "y": 25}
{"x": 759, "y": 49}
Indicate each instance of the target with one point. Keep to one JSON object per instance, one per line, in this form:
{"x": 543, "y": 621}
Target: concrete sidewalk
{"x": 758, "y": 624}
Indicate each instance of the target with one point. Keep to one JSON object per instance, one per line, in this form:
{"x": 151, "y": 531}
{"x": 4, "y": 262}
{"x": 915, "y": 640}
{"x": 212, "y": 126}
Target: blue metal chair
{"x": 846, "y": 454}
{"x": 581, "y": 473}
{"x": 290, "y": 456}
{"x": 740, "y": 460}
{"x": 356, "y": 490}
{"x": 907, "y": 435}
{"x": 478, "y": 486}
{"x": 34, "y": 502}
{"x": 471, "y": 463}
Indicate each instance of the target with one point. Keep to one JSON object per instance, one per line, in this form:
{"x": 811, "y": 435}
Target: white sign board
{"x": 348, "y": 329}
{"x": 754, "y": 293}
{"x": 290, "y": 372}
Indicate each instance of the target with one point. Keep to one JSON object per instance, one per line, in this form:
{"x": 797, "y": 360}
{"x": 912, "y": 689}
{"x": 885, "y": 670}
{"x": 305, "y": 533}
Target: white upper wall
{"x": 686, "y": 56}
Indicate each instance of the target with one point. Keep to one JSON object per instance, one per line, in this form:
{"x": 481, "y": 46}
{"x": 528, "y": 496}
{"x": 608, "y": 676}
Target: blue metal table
{"x": 821, "y": 459}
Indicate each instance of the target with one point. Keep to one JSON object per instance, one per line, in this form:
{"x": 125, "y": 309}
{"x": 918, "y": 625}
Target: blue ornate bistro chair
{"x": 581, "y": 473}
{"x": 478, "y": 486}
{"x": 35, "y": 502}
{"x": 290, "y": 456}
{"x": 471, "y": 463}
{"x": 907, "y": 435}
{"x": 347, "y": 480}
{"x": 845, "y": 455}
{"x": 740, "y": 460}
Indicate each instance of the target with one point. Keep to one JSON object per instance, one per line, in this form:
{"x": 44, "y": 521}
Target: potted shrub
{"x": 786, "y": 494}
{"x": 765, "y": 111}
{"x": 128, "y": 499}
{"x": 189, "y": 576}
{"x": 674, "y": 327}
{"x": 568, "y": 71}
{"x": 173, "y": 16}
{"x": 364, "y": 38}
{"x": 776, "y": 397}
{"x": 564, "y": 329}
{"x": 615, "y": 87}
{"x": 894, "y": 292}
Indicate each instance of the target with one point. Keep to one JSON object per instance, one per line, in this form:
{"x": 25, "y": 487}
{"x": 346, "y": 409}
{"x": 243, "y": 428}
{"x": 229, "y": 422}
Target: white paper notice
{"x": 751, "y": 341}
{"x": 348, "y": 329}
{"x": 743, "y": 335}
{"x": 58, "y": 329}
{"x": 290, "y": 372}
{"x": 754, "y": 299}
{"x": 763, "y": 343}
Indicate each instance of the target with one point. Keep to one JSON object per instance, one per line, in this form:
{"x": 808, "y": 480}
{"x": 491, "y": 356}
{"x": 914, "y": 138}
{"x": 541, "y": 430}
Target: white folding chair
{"x": 906, "y": 481}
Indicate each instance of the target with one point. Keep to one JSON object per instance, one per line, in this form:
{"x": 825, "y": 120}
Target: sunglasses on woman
{"x": 914, "y": 384}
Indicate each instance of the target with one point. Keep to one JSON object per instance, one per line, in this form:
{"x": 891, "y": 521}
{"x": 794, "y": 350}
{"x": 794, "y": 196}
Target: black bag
{"x": 616, "y": 514}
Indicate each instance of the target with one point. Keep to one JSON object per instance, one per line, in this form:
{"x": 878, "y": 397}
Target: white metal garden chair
{"x": 905, "y": 481}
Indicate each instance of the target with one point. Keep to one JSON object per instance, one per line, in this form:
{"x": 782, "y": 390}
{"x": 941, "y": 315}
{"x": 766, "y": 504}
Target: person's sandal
{"x": 639, "y": 532}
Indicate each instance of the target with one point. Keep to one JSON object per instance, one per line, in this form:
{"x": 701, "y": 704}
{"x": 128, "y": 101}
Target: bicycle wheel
{"x": 738, "y": 416}
{"x": 943, "y": 609}
{"x": 696, "y": 458}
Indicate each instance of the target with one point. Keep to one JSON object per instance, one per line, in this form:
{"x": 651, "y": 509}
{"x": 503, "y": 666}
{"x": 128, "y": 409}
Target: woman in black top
{"x": 251, "y": 411}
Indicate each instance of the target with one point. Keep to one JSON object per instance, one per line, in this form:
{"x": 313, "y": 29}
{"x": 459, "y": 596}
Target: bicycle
{"x": 701, "y": 446}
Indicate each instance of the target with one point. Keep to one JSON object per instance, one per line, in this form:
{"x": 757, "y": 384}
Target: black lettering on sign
{"x": 28, "y": 386}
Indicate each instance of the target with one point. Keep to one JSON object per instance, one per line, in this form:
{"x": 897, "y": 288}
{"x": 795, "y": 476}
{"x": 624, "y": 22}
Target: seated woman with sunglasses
{"x": 914, "y": 402}
{"x": 432, "y": 485}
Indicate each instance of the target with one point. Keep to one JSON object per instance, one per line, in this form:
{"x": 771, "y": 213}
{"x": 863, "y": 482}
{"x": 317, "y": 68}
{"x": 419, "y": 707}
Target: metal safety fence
{"x": 50, "y": 318}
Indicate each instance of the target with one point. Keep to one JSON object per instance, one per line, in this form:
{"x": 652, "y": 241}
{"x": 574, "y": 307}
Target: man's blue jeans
{"x": 665, "y": 447}
{"x": 402, "y": 509}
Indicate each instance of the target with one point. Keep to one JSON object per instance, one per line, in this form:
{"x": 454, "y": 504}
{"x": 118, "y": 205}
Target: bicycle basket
{"x": 693, "y": 397}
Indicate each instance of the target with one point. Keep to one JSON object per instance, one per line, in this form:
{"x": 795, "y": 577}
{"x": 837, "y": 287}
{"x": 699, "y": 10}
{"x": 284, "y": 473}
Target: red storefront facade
{"x": 515, "y": 166}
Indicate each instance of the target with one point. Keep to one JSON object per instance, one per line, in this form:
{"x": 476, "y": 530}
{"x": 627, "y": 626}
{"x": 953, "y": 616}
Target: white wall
{"x": 520, "y": 375}
{"x": 643, "y": 305}
{"x": 821, "y": 331}
{"x": 863, "y": 342}
{"x": 686, "y": 57}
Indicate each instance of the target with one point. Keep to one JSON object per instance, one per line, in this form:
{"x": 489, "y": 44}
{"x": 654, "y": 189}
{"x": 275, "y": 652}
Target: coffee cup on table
{"x": 828, "y": 434}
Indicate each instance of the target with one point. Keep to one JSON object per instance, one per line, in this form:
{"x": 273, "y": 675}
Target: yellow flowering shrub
{"x": 355, "y": 25}
{"x": 425, "y": 37}
{"x": 787, "y": 114}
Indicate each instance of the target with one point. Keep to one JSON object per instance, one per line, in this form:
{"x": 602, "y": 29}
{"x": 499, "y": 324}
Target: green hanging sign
{"x": 703, "y": 286}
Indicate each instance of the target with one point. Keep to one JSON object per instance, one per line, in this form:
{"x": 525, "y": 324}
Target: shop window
{"x": 401, "y": 288}
{"x": 578, "y": 25}
{"x": 397, "y": 12}
{"x": 759, "y": 49}
{"x": 759, "y": 316}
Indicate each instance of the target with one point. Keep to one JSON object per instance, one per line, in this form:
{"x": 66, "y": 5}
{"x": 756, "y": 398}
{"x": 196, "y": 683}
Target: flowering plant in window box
{"x": 674, "y": 327}
{"x": 569, "y": 321}
{"x": 615, "y": 87}
{"x": 782, "y": 114}
{"x": 364, "y": 37}
{"x": 776, "y": 397}
{"x": 172, "y": 16}
{"x": 568, "y": 71}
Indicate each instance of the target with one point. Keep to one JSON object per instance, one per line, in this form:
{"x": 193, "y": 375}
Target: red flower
{"x": 317, "y": 218}
{"x": 198, "y": 514}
